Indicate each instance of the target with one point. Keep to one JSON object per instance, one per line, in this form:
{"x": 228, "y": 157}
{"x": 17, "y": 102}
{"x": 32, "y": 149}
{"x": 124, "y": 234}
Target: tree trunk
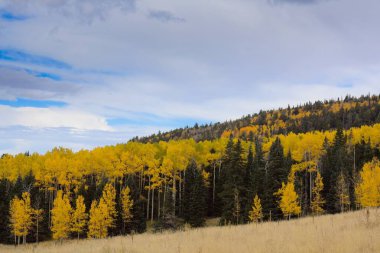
{"x": 174, "y": 193}
{"x": 152, "y": 212}
{"x": 147, "y": 208}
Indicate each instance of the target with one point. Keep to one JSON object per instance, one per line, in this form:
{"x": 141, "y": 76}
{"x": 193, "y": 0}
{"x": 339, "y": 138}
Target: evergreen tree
{"x": 277, "y": 173}
{"x": 194, "y": 197}
{"x": 233, "y": 186}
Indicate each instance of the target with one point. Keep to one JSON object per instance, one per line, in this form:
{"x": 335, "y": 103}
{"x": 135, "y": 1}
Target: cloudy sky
{"x": 84, "y": 73}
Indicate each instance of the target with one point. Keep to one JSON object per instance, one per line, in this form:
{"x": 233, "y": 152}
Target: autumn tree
{"x": 79, "y": 217}
{"x": 99, "y": 221}
{"x": 288, "y": 200}
{"x": 38, "y": 217}
{"x": 102, "y": 213}
{"x": 256, "y": 213}
{"x": 317, "y": 201}
{"x": 368, "y": 188}
{"x": 61, "y": 216}
{"x": 126, "y": 204}
{"x": 21, "y": 217}
{"x": 342, "y": 192}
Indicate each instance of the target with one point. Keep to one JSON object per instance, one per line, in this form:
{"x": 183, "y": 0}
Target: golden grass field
{"x": 344, "y": 233}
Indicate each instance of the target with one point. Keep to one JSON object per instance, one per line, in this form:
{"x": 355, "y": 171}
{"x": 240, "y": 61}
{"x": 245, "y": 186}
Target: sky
{"x": 87, "y": 73}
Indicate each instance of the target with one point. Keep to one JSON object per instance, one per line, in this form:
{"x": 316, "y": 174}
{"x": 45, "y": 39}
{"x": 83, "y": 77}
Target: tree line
{"x": 118, "y": 189}
{"x": 317, "y": 116}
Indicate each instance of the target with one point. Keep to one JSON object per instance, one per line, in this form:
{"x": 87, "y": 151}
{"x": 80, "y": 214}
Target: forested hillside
{"x": 320, "y": 115}
{"x": 307, "y": 160}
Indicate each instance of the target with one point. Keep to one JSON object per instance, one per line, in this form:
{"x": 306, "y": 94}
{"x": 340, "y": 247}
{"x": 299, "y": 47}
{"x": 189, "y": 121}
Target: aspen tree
{"x": 318, "y": 201}
{"x": 37, "y": 217}
{"x": 368, "y": 189}
{"x": 342, "y": 192}
{"x": 61, "y": 216}
{"x": 126, "y": 204}
{"x": 21, "y": 217}
{"x": 79, "y": 217}
{"x": 288, "y": 200}
{"x": 256, "y": 214}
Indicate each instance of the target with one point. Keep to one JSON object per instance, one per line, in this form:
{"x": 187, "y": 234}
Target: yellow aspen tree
{"x": 256, "y": 214}
{"x": 288, "y": 200}
{"x": 109, "y": 197}
{"x": 368, "y": 189}
{"x": 343, "y": 194}
{"x": 21, "y": 217}
{"x": 99, "y": 220}
{"x": 37, "y": 218}
{"x": 79, "y": 217}
{"x": 126, "y": 204}
{"x": 102, "y": 214}
{"x": 61, "y": 217}
{"x": 317, "y": 201}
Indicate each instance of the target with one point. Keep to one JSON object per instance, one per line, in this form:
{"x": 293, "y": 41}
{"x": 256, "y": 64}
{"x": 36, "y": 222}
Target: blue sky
{"x": 81, "y": 74}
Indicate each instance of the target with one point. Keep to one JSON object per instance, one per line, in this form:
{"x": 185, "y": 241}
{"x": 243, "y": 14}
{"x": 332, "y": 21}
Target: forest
{"x": 308, "y": 160}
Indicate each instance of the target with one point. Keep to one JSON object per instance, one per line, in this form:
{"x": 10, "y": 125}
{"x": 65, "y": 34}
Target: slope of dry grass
{"x": 345, "y": 233}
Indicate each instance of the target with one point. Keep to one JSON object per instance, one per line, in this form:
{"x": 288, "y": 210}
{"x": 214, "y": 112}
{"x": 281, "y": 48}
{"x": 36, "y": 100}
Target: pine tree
{"x": 256, "y": 213}
{"x": 277, "y": 173}
{"x": 194, "y": 197}
{"x": 79, "y": 217}
{"x": 248, "y": 193}
{"x": 288, "y": 200}
{"x": 317, "y": 202}
{"x": 61, "y": 217}
{"x": 233, "y": 186}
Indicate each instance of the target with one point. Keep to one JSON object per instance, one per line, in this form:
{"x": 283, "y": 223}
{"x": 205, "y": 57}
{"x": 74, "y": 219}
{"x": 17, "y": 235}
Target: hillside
{"x": 312, "y": 116}
{"x": 257, "y": 173}
{"x": 342, "y": 233}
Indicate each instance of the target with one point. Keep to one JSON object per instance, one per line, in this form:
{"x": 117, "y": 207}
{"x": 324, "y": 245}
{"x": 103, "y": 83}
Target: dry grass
{"x": 345, "y": 233}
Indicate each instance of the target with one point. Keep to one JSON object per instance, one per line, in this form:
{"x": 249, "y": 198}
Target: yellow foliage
{"x": 21, "y": 215}
{"x": 368, "y": 188}
{"x": 79, "y": 217}
{"x": 317, "y": 201}
{"x": 288, "y": 200}
{"x": 126, "y": 204}
{"x": 256, "y": 214}
{"x": 61, "y": 216}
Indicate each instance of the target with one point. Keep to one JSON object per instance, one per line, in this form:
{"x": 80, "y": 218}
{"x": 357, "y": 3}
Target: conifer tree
{"x": 317, "y": 201}
{"x": 79, "y": 217}
{"x": 233, "y": 186}
{"x": 61, "y": 217}
{"x": 248, "y": 193}
{"x": 256, "y": 213}
{"x": 277, "y": 172}
{"x": 194, "y": 197}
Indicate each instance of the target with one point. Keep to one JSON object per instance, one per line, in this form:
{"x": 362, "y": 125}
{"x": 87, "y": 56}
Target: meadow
{"x": 343, "y": 233}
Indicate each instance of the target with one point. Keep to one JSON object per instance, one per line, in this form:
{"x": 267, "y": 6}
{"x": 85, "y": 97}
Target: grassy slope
{"x": 345, "y": 233}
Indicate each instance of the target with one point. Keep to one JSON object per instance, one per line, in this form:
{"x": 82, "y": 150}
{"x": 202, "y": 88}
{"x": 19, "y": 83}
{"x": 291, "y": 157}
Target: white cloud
{"x": 51, "y": 117}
